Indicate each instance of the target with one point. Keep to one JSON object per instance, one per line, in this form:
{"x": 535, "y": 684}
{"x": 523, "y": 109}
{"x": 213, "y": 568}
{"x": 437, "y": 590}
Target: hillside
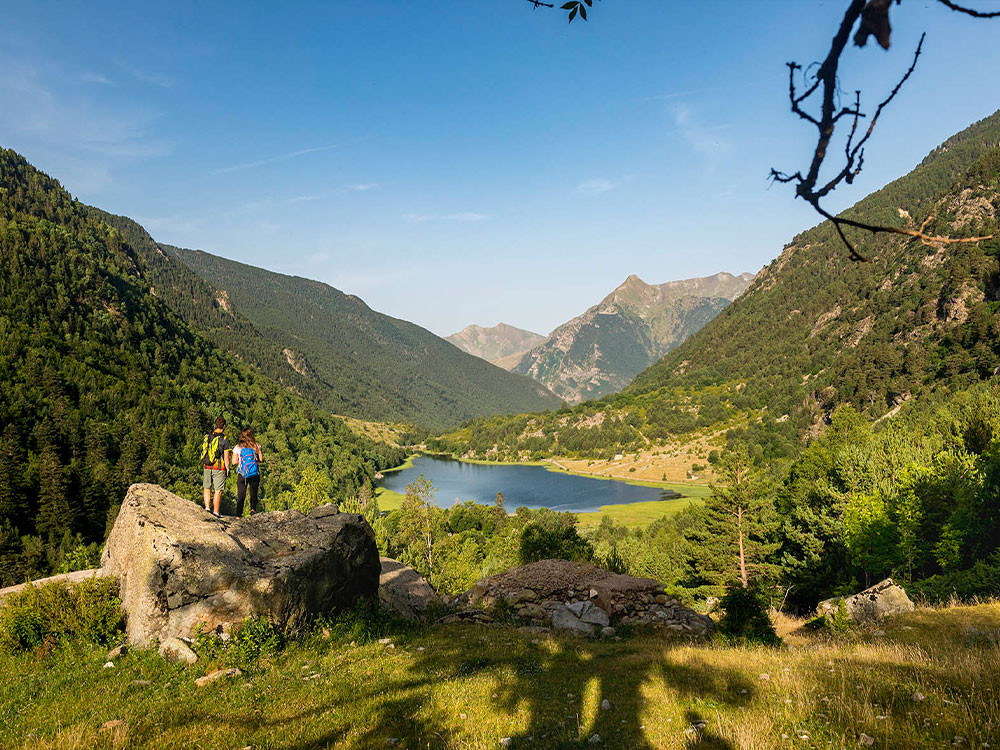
{"x": 503, "y": 345}
{"x": 103, "y": 385}
{"x": 462, "y": 686}
{"x": 363, "y": 363}
{"x": 815, "y": 330}
{"x": 601, "y": 350}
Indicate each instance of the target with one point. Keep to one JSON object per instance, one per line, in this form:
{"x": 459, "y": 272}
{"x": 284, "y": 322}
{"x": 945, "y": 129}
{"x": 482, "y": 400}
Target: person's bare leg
{"x": 208, "y": 499}
{"x": 218, "y": 501}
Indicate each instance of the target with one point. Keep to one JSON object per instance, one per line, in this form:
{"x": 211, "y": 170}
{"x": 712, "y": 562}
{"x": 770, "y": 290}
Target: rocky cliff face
{"x": 503, "y": 345}
{"x": 600, "y": 351}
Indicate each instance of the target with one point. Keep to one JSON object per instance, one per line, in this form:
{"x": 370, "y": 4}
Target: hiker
{"x": 215, "y": 465}
{"x": 247, "y": 457}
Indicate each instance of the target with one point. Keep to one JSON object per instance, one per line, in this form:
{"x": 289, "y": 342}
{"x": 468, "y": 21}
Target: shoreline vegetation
{"x": 636, "y": 515}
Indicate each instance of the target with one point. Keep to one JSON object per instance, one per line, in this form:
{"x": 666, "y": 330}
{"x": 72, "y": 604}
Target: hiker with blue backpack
{"x": 215, "y": 465}
{"x": 247, "y": 457}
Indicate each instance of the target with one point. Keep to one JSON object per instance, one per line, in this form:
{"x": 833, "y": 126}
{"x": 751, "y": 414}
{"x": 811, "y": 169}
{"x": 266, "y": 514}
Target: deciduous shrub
{"x": 88, "y": 611}
{"x": 254, "y": 640}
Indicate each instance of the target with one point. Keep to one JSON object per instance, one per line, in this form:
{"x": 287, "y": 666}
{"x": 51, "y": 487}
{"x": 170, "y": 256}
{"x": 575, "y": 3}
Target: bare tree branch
{"x": 970, "y": 11}
{"x": 872, "y": 19}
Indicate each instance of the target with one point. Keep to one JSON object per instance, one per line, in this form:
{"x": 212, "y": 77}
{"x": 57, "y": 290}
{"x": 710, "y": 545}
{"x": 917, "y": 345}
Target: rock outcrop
{"x": 881, "y": 600}
{"x": 584, "y": 598}
{"x": 403, "y": 591}
{"x": 180, "y": 567}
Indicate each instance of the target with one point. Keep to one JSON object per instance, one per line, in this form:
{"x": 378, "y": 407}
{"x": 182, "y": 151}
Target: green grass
{"x": 388, "y": 499}
{"x": 637, "y": 515}
{"x": 462, "y": 686}
{"x": 407, "y": 464}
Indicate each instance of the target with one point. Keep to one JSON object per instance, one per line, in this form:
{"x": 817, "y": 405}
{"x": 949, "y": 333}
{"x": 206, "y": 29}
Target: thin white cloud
{"x": 147, "y": 77}
{"x": 597, "y": 186}
{"x": 712, "y": 142}
{"x": 272, "y": 159}
{"x": 90, "y": 77}
{"x": 360, "y": 187}
{"x": 464, "y": 216}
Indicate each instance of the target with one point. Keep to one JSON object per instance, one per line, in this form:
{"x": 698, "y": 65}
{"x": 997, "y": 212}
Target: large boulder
{"x": 403, "y": 591}
{"x": 881, "y": 600}
{"x": 180, "y": 567}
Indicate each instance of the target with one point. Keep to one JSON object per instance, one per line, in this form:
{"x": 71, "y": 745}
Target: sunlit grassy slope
{"x": 463, "y": 686}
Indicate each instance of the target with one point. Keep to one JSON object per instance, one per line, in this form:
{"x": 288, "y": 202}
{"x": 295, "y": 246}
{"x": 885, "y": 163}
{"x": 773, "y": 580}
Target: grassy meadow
{"x": 922, "y": 681}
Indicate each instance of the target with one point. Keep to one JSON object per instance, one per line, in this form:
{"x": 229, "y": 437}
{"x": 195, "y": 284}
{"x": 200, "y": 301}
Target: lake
{"x": 529, "y": 486}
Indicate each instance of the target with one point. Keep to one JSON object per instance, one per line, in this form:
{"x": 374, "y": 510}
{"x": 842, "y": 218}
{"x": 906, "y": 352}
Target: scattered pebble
{"x": 959, "y": 740}
{"x": 744, "y": 691}
{"x": 765, "y": 676}
{"x": 141, "y": 682}
{"x": 218, "y": 674}
{"x": 595, "y": 739}
{"x": 109, "y": 665}
{"x": 866, "y": 740}
{"x": 883, "y": 717}
{"x": 506, "y": 742}
{"x": 462, "y": 716}
{"x": 116, "y": 653}
{"x": 605, "y": 705}
{"x": 420, "y": 648}
{"x": 918, "y": 696}
{"x": 385, "y": 641}
{"x": 392, "y": 741}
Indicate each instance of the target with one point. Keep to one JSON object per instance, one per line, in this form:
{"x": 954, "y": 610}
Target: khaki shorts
{"x": 213, "y": 479}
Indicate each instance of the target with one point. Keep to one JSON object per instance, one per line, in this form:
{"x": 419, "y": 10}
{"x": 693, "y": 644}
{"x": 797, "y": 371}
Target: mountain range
{"x": 601, "y": 350}
{"x": 503, "y": 345}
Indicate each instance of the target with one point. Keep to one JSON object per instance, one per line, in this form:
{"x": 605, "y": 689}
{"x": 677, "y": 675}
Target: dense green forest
{"x": 914, "y": 498}
{"x": 360, "y": 362}
{"x": 816, "y": 330}
{"x": 103, "y": 385}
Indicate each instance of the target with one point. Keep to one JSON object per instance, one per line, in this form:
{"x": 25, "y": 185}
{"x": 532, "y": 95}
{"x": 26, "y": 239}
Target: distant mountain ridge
{"x": 503, "y": 344}
{"x": 600, "y": 351}
{"x": 357, "y": 361}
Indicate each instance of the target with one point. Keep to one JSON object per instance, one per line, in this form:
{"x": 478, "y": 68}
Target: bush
{"x": 363, "y": 623}
{"x": 540, "y": 542}
{"x": 88, "y": 611}
{"x": 254, "y": 639}
{"x": 746, "y": 615}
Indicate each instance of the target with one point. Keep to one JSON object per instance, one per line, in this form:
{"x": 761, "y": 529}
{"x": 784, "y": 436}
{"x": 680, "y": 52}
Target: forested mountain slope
{"x": 815, "y": 330}
{"x": 601, "y": 350}
{"x": 103, "y": 385}
{"x": 503, "y": 345}
{"x": 372, "y": 366}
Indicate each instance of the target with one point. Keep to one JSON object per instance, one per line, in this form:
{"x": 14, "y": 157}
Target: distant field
{"x": 636, "y": 515}
{"x": 387, "y": 499}
{"x": 920, "y": 681}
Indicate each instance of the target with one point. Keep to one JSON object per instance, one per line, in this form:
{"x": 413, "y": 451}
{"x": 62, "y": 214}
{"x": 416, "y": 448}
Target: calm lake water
{"x": 529, "y": 486}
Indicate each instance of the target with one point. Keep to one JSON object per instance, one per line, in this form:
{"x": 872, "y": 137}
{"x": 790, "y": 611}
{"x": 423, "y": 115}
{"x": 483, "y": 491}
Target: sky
{"x": 466, "y": 162}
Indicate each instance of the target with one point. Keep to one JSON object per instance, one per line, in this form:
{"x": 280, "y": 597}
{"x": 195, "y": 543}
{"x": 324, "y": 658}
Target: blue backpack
{"x": 248, "y": 462}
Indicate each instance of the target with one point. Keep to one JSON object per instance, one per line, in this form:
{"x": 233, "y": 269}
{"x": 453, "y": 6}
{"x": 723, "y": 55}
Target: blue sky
{"x": 464, "y": 162}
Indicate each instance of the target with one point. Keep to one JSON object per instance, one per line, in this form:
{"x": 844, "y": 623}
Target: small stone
{"x": 326, "y": 634}
{"x": 593, "y": 593}
{"x": 109, "y": 665}
{"x": 506, "y": 741}
{"x": 177, "y": 650}
{"x": 392, "y": 741}
{"x": 882, "y": 717}
{"x": 420, "y": 648}
{"x": 866, "y": 740}
{"x": 462, "y": 716}
{"x": 385, "y": 641}
{"x": 765, "y": 676}
{"x": 958, "y": 740}
{"x": 116, "y": 653}
{"x": 113, "y": 724}
{"x": 595, "y": 739}
{"x": 218, "y": 674}
{"x": 605, "y": 705}
{"x": 918, "y": 696}
{"x": 608, "y": 632}
{"x": 744, "y": 691}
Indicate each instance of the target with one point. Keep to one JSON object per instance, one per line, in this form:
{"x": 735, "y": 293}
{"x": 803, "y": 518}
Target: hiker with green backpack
{"x": 215, "y": 465}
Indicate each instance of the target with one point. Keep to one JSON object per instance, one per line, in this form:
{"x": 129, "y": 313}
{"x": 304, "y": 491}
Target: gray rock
{"x": 175, "y": 649}
{"x": 116, "y": 653}
{"x": 608, "y": 632}
{"x": 881, "y": 600}
{"x": 403, "y": 591}
{"x": 564, "y": 619}
{"x": 180, "y": 567}
{"x": 580, "y": 608}
{"x": 596, "y": 616}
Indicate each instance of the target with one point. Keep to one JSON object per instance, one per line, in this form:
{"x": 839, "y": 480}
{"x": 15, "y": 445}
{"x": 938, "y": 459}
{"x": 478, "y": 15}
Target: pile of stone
{"x": 583, "y": 598}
